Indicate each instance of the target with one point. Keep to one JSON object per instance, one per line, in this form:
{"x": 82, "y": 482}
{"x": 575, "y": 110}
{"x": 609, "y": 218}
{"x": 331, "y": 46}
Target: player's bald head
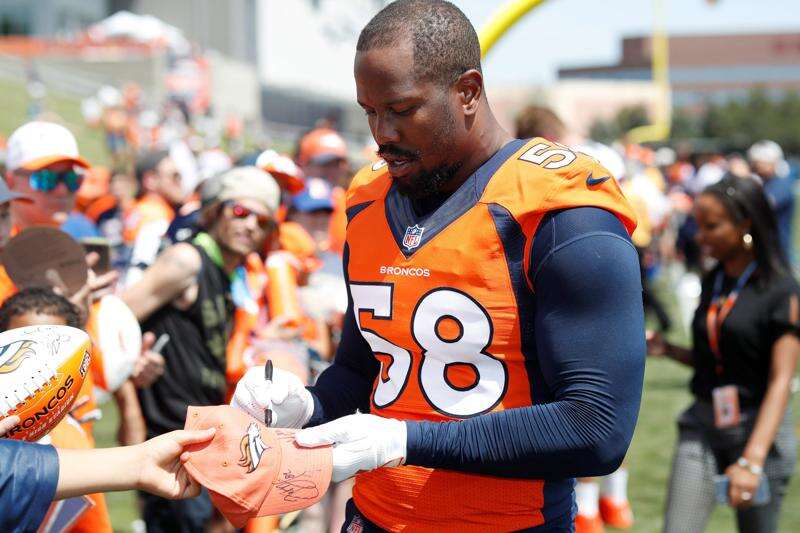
{"x": 444, "y": 42}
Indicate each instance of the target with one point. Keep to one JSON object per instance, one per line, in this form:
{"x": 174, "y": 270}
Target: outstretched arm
{"x": 172, "y": 273}
{"x": 154, "y": 466}
{"x": 33, "y": 475}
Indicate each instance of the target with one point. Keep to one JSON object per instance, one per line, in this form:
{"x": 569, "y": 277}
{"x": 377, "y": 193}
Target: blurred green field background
{"x": 665, "y": 391}
{"x": 14, "y": 112}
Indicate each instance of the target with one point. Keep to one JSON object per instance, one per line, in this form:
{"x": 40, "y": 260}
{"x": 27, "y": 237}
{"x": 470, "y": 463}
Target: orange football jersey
{"x": 148, "y": 209}
{"x": 442, "y": 303}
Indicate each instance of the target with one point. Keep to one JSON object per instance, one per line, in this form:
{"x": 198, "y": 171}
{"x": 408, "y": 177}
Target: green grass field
{"x": 665, "y": 396}
{"x": 60, "y": 108}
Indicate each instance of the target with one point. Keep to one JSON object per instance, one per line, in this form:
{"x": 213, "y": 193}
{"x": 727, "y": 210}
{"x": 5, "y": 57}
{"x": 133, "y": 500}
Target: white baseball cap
{"x": 38, "y": 144}
{"x": 242, "y": 182}
{"x": 765, "y": 151}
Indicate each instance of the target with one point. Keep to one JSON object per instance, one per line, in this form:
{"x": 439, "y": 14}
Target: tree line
{"x": 732, "y": 125}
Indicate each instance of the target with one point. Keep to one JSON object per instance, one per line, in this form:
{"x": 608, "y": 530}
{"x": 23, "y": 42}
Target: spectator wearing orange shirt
{"x": 160, "y": 194}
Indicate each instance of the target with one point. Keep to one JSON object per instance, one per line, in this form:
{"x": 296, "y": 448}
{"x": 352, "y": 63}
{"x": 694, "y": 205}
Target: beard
{"x": 427, "y": 184}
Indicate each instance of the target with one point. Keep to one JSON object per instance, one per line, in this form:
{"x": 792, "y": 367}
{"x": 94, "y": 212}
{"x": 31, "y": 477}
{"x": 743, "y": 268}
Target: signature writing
{"x": 297, "y": 487}
{"x": 54, "y": 340}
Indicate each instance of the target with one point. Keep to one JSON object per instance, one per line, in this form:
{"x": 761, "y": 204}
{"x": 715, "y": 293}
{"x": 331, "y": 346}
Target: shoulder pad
{"x": 370, "y": 183}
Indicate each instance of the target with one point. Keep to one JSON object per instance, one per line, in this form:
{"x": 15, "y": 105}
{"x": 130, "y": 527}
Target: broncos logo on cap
{"x": 252, "y": 448}
{"x": 12, "y": 355}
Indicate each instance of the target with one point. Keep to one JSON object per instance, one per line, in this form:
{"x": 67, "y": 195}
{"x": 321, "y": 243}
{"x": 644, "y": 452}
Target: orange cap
{"x": 320, "y": 146}
{"x": 251, "y": 470}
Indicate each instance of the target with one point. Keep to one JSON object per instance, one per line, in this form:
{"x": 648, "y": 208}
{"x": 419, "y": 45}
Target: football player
{"x": 495, "y": 330}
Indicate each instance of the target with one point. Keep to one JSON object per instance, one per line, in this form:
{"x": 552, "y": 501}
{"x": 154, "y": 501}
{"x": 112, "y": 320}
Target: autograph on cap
{"x": 297, "y": 487}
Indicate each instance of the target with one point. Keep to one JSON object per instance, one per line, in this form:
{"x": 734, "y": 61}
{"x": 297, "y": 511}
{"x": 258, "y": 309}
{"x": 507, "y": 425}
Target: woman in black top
{"x": 744, "y": 353}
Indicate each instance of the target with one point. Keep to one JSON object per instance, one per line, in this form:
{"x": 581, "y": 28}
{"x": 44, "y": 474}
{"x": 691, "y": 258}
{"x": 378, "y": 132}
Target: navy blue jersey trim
{"x": 400, "y": 213}
{"x": 346, "y": 385}
{"x": 484, "y": 174}
{"x": 513, "y": 239}
{"x": 356, "y": 209}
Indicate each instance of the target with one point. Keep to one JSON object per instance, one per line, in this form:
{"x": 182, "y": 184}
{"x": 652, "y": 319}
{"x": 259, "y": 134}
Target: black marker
{"x": 268, "y": 377}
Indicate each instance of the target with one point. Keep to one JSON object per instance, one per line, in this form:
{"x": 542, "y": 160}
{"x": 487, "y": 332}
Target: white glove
{"x": 291, "y": 404}
{"x": 360, "y": 443}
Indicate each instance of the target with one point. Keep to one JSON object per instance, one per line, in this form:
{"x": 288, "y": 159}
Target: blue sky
{"x": 585, "y": 32}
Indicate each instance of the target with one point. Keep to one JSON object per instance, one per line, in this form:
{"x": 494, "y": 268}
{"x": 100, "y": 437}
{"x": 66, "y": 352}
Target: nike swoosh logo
{"x": 590, "y": 181}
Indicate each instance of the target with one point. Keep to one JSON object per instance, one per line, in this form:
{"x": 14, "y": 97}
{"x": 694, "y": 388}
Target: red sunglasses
{"x": 240, "y": 211}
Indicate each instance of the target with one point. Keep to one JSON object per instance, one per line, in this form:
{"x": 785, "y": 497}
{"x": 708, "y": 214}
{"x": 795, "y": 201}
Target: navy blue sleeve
{"x": 589, "y": 327}
{"x": 28, "y": 479}
{"x": 346, "y": 385}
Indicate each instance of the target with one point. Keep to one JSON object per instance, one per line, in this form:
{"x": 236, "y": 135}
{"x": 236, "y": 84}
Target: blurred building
{"x": 74, "y": 47}
{"x": 228, "y": 27}
{"x": 302, "y": 50}
{"x": 708, "y": 67}
{"x": 306, "y": 51}
{"x": 579, "y": 103}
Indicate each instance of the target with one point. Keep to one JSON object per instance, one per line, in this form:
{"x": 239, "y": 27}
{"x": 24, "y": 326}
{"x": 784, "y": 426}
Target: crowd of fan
{"x": 227, "y": 261}
{"x": 244, "y": 265}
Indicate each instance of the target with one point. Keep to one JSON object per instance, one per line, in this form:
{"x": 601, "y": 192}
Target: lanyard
{"x": 719, "y": 310}
{"x": 210, "y": 246}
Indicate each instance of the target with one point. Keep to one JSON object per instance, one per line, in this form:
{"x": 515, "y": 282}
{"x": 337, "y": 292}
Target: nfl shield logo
{"x": 356, "y": 525}
{"x": 413, "y": 236}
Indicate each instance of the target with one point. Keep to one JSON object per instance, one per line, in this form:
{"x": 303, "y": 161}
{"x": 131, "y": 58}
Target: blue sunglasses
{"x": 47, "y": 180}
